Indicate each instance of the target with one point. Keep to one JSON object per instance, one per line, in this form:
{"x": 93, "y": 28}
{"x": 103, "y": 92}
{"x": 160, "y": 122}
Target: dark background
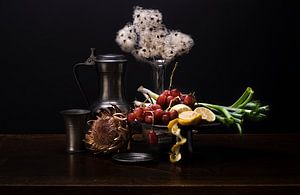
{"x": 237, "y": 44}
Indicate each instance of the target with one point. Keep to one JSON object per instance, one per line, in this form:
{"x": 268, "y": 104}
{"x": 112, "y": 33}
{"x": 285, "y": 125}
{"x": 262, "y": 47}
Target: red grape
{"x": 152, "y": 137}
{"x": 155, "y": 106}
{"x": 161, "y": 100}
{"x": 182, "y": 97}
{"x": 148, "y": 111}
{"x": 131, "y": 117}
{"x": 149, "y": 119}
{"x": 189, "y": 100}
{"x": 166, "y": 92}
{"x": 173, "y": 114}
{"x": 139, "y": 112}
{"x": 175, "y": 92}
{"x": 169, "y": 99}
{"x": 158, "y": 114}
{"x": 165, "y": 118}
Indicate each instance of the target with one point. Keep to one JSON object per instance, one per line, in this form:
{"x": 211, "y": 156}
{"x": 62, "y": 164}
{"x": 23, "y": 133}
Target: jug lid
{"x": 111, "y": 58}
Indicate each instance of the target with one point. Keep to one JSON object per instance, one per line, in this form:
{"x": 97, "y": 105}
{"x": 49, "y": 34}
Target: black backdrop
{"x": 237, "y": 44}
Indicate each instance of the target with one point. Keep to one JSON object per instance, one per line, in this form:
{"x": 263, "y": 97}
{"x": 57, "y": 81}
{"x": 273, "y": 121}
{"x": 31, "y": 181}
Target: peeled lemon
{"x": 180, "y": 108}
{"x": 206, "y": 114}
{"x": 187, "y": 118}
{"x": 175, "y": 155}
{"x": 172, "y": 124}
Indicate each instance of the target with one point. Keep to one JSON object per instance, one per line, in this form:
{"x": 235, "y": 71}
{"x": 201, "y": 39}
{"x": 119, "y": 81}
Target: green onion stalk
{"x": 243, "y": 108}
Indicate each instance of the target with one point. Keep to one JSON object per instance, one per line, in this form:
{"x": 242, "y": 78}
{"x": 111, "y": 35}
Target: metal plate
{"x": 200, "y": 127}
{"x": 133, "y": 157}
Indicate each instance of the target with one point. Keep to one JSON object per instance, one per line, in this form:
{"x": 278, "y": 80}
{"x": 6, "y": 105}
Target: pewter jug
{"x": 111, "y": 69}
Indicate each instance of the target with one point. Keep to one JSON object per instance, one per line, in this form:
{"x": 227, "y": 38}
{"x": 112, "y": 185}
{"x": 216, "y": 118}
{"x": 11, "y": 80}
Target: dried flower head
{"x": 143, "y": 18}
{"x": 126, "y": 38}
{"x": 147, "y": 38}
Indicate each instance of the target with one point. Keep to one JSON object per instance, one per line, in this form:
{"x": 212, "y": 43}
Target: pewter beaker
{"x": 75, "y": 121}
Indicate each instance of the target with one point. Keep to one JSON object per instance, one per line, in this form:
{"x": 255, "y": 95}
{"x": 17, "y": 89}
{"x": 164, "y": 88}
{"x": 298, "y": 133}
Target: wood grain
{"x": 221, "y": 163}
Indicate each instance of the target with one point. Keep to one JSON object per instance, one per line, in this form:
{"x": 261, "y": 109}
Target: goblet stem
{"x": 159, "y": 74}
{"x": 187, "y": 148}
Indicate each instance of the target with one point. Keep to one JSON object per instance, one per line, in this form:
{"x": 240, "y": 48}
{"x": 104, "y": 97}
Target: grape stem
{"x": 171, "y": 102}
{"x": 172, "y": 75}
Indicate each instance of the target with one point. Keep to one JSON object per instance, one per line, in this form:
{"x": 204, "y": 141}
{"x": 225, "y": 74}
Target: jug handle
{"x": 89, "y": 62}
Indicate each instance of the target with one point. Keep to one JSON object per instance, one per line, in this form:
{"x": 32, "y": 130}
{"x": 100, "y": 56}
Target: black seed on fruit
{"x": 144, "y": 50}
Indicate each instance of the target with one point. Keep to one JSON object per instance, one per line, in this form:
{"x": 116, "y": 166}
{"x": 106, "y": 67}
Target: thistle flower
{"x": 177, "y": 43}
{"x": 126, "y": 38}
{"x": 147, "y": 38}
{"x": 143, "y": 18}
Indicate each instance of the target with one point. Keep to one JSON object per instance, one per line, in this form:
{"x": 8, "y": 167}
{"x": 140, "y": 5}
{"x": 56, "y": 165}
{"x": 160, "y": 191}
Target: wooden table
{"x": 221, "y": 164}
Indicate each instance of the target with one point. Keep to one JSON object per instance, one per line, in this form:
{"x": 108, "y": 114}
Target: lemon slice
{"x": 180, "y": 108}
{"x": 187, "y": 118}
{"x": 206, "y": 114}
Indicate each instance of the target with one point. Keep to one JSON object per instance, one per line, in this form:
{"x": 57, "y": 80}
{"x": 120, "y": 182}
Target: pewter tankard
{"x": 111, "y": 69}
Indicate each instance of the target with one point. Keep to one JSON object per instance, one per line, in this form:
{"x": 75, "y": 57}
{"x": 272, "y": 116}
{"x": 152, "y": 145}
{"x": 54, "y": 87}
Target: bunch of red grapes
{"x": 157, "y": 113}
